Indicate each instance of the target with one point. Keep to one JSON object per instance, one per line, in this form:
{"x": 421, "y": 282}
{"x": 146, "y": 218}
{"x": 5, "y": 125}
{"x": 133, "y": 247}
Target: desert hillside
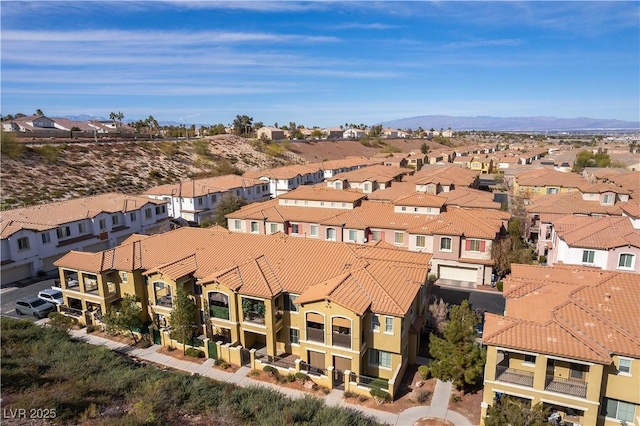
{"x": 37, "y": 174}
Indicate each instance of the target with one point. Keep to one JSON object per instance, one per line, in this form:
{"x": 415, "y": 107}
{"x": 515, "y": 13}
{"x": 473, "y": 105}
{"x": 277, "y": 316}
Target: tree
{"x": 39, "y": 112}
{"x": 229, "y": 203}
{"x": 182, "y": 320}
{"x": 456, "y": 355}
{"x": 116, "y": 117}
{"x": 152, "y": 125}
{"x": 317, "y": 133}
{"x": 242, "y": 125}
{"x": 513, "y": 411}
{"x": 439, "y": 310}
{"x": 128, "y": 317}
{"x": 424, "y": 148}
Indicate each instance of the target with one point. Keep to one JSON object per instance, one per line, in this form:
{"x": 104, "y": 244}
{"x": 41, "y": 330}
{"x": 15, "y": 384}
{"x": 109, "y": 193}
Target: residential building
{"x": 196, "y": 200}
{"x": 438, "y": 178}
{"x": 483, "y": 164}
{"x": 608, "y": 243}
{"x": 353, "y": 134}
{"x": 461, "y": 241}
{"x": 283, "y": 179}
{"x": 34, "y": 237}
{"x": 569, "y": 340}
{"x": 544, "y": 181}
{"x": 333, "y": 132}
{"x": 340, "y": 311}
{"x": 270, "y": 133}
{"x": 368, "y": 179}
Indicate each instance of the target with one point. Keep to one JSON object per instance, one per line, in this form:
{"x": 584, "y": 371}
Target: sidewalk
{"x": 437, "y": 409}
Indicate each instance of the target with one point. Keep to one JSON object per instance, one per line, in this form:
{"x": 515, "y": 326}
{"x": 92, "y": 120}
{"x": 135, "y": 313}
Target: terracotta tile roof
{"x": 601, "y": 188}
{"x": 50, "y": 216}
{"x": 264, "y": 265}
{"x": 549, "y": 177}
{"x": 597, "y": 232}
{"x": 469, "y": 223}
{"x": 573, "y": 312}
{"x": 470, "y": 198}
{"x": 375, "y": 173}
{"x": 200, "y": 187}
{"x": 420, "y": 199}
{"x": 323, "y": 193}
{"x": 571, "y": 203}
{"x": 286, "y": 172}
{"x": 632, "y": 208}
{"x": 444, "y": 174}
{"x": 396, "y": 190}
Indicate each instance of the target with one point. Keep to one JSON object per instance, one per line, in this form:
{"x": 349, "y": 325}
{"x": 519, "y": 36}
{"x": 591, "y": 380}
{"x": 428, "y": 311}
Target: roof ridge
{"x": 263, "y": 257}
{"x": 382, "y": 288}
{"x": 586, "y": 340}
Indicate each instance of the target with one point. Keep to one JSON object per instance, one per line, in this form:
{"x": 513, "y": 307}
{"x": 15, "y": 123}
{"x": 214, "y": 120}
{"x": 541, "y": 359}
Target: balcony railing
{"x": 566, "y": 386}
{"x": 164, "y": 301}
{"x": 315, "y": 334}
{"x": 517, "y": 377}
{"x": 90, "y": 285}
{"x": 343, "y": 340}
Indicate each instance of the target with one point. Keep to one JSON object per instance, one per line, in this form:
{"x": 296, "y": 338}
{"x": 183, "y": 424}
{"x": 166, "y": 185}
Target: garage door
{"x": 47, "y": 262}
{"x": 16, "y": 273}
{"x": 458, "y": 274}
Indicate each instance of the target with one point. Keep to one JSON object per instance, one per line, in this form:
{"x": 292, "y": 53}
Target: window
{"x": 331, "y": 234}
{"x": 576, "y": 371}
{"x": 314, "y": 230}
{"x": 214, "y": 198}
{"x": 619, "y": 410}
{"x": 147, "y": 213}
{"x": 399, "y": 237}
{"x": 124, "y": 277}
{"x": 421, "y": 241}
{"x": 380, "y": 358}
{"x": 82, "y": 228}
{"x": 624, "y": 366}
{"x": 388, "y": 324}
{"x": 237, "y": 224}
{"x": 294, "y": 336}
{"x": 587, "y": 256}
{"x": 338, "y": 185}
{"x": 254, "y": 227}
{"x": 161, "y": 209}
{"x": 474, "y": 245}
{"x": 46, "y": 238}
{"x": 115, "y": 220}
{"x": 529, "y": 359}
{"x": 23, "y": 243}
{"x": 289, "y": 302}
{"x": 403, "y": 208}
{"x": 367, "y": 187}
{"x": 65, "y": 231}
{"x": 375, "y": 235}
{"x": 375, "y": 322}
{"x": 199, "y": 201}
{"x": 552, "y": 190}
{"x": 445, "y": 244}
{"x": 625, "y": 261}
{"x": 607, "y": 199}
{"x": 353, "y": 234}
{"x": 132, "y": 216}
{"x": 274, "y": 228}
{"x": 295, "y": 228}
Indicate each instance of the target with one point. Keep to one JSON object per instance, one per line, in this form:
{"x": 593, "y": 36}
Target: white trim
{"x": 514, "y": 394}
{"x": 571, "y": 361}
{"x": 540, "y": 392}
{"x": 500, "y": 348}
{"x": 624, "y": 373}
{"x": 330, "y": 349}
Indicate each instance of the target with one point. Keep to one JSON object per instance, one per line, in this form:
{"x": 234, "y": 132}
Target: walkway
{"x": 437, "y": 409}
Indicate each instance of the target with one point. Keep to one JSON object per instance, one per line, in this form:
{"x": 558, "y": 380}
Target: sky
{"x": 320, "y": 63}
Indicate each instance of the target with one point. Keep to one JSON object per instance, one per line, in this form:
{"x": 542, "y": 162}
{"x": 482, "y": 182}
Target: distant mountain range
{"x": 531, "y": 124}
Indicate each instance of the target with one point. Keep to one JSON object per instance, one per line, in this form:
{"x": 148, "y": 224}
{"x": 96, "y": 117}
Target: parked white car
{"x": 51, "y": 295}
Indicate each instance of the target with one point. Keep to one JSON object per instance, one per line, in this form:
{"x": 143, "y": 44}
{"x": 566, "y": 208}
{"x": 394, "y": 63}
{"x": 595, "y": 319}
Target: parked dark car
{"x": 34, "y": 306}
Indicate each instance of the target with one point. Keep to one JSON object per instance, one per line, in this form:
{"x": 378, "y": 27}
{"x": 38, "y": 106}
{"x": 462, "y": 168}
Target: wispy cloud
{"x": 482, "y": 43}
{"x": 362, "y": 26}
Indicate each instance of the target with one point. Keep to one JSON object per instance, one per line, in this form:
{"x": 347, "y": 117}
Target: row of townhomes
{"x": 276, "y": 134}
{"x": 41, "y": 124}
{"x": 569, "y": 340}
{"x": 573, "y": 221}
{"x": 385, "y": 205}
{"x": 34, "y": 237}
{"x": 339, "y": 311}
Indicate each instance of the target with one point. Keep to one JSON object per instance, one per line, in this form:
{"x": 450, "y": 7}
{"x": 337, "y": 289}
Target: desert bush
{"x": 196, "y": 353}
{"x": 379, "y": 395}
{"x": 424, "y": 371}
{"x": 301, "y": 376}
{"x": 291, "y": 377}
{"x": 363, "y": 398}
{"x": 91, "y": 328}
{"x": 456, "y": 398}
{"x": 423, "y": 396}
{"x": 349, "y": 394}
{"x": 269, "y": 369}
{"x": 60, "y": 321}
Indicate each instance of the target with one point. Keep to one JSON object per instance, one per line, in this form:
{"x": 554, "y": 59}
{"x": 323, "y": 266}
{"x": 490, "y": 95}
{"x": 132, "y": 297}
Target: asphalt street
{"x": 12, "y": 292}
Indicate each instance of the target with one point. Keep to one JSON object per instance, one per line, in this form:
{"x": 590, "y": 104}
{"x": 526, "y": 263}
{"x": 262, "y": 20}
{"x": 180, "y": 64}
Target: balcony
{"x": 90, "y": 285}
{"x": 315, "y": 334}
{"x": 566, "y": 386}
{"x": 164, "y": 301}
{"x": 516, "y": 377}
{"x": 342, "y": 340}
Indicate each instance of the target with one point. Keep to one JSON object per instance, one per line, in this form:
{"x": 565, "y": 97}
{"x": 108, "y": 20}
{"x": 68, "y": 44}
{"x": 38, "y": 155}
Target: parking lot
{"x": 12, "y": 292}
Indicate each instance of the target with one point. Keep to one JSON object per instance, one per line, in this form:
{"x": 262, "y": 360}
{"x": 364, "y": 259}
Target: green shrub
{"x": 381, "y": 396}
{"x": 362, "y": 399}
{"x": 325, "y": 390}
{"x": 379, "y": 383}
{"x": 499, "y": 285}
{"x": 60, "y": 321}
{"x": 224, "y": 365}
{"x": 91, "y": 328}
{"x": 456, "y": 398}
{"x": 171, "y": 348}
{"x": 269, "y": 369}
{"x": 254, "y": 373}
{"x": 424, "y": 371}
{"x": 432, "y": 277}
{"x": 301, "y": 376}
{"x": 196, "y": 353}
{"x": 291, "y": 377}
{"x": 349, "y": 394}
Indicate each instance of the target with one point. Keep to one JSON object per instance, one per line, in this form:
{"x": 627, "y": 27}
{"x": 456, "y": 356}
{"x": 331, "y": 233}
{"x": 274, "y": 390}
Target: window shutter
{"x": 467, "y": 245}
{"x": 483, "y": 245}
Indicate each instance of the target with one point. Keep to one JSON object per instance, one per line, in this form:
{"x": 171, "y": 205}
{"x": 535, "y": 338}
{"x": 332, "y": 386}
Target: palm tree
{"x": 152, "y": 124}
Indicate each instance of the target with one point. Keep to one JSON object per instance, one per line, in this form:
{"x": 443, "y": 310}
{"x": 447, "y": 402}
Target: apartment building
{"x": 609, "y": 243}
{"x": 195, "y": 200}
{"x": 369, "y": 179}
{"x": 438, "y": 178}
{"x": 34, "y": 237}
{"x": 339, "y": 307}
{"x": 544, "y": 181}
{"x": 569, "y": 340}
